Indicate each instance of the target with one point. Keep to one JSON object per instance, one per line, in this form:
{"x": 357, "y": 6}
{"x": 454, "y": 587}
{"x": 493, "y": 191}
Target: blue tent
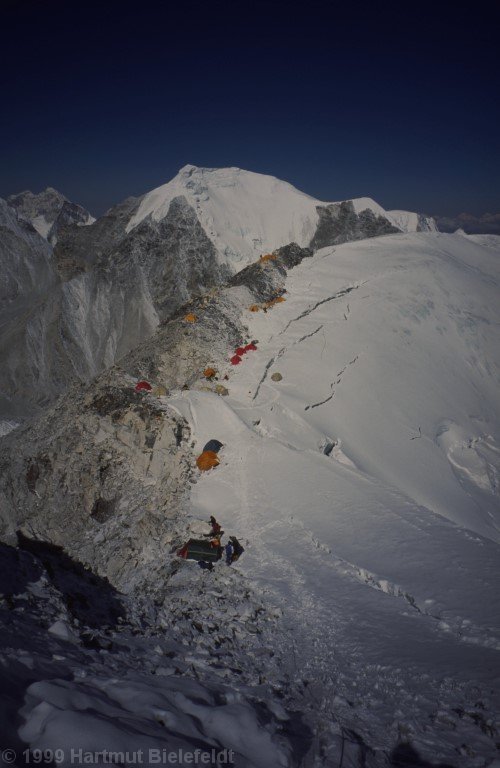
{"x": 213, "y": 445}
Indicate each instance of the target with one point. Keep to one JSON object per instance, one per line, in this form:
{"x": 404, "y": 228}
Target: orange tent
{"x": 268, "y": 257}
{"x": 190, "y": 318}
{"x": 209, "y": 373}
{"x": 254, "y": 308}
{"x": 207, "y": 460}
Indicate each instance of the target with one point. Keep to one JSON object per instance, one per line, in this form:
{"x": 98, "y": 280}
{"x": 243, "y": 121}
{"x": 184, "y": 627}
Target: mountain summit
{"x": 245, "y": 214}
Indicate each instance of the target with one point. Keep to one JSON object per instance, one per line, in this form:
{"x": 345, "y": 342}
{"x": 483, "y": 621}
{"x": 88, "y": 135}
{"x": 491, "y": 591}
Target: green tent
{"x": 199, "y": 549}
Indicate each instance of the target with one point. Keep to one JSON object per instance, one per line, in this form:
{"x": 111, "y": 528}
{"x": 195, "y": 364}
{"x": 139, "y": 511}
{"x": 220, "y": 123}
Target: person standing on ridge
{"x": 229, "y": 552}
{"x": 216, "y": 529}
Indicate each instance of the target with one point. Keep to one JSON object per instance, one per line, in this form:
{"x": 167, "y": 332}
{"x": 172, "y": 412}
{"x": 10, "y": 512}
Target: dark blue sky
{"x": 396, "y": 101}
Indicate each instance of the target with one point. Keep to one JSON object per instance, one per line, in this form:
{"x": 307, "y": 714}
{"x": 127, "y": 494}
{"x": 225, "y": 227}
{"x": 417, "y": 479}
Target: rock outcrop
{"x": 340, "y": 223}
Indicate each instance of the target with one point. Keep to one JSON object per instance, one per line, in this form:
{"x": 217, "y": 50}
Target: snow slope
{"x": 365, "y": 485}
{"x": 245, "y": 214}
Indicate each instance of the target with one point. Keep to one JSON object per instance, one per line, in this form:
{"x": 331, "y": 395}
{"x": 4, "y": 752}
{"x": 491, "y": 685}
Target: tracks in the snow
{"x": 266, "y": 369}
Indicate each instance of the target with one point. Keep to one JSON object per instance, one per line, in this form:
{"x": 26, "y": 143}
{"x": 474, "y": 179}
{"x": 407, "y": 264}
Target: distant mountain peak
{"x": 48, "y": 211}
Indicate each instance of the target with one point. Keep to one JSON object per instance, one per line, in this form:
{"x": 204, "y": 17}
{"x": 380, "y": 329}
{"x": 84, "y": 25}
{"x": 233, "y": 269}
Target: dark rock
{"x": 339, "y": 223}
{"x": 103, "y": 509}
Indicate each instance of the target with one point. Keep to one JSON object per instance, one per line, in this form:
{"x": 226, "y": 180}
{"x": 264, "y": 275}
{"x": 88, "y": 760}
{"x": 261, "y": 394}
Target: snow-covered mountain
{"x": 362, "y": 624}
{"x": 113, "y": 281}
{"x": 247, "y": 214}
{"x": 49, "y": 212}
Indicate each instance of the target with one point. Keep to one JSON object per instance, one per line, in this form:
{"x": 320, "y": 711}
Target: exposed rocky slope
{"x": 104, "y": 471}
{"x": 339, "y": 223}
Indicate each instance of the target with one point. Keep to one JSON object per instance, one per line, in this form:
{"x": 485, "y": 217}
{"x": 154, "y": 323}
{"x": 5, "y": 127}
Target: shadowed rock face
{"x": 339, "y": 223}
{"x": 108, "y": 294}
{"x": 79, "y": 248}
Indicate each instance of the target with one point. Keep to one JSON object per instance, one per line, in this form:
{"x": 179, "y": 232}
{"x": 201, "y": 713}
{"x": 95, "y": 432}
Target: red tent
{"x": 240, "y": 351}
{"x": 250, "y": 346}
{"x": 142, "y": 386}
{"x": 235, "y": 360}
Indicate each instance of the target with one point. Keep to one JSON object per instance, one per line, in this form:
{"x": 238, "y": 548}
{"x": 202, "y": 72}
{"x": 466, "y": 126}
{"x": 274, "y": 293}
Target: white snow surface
{"x": 7, "y": 425}
{"x": 42, "y": 226}
{"x": 384, "y": 553}
{"x": 245, "y": 214}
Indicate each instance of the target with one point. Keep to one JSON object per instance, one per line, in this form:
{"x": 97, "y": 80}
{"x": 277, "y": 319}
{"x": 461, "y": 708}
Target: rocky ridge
{"x": 105, "y": 472}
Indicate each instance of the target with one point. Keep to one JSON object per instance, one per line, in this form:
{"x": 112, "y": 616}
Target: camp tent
{"x": 190, "y": 318}
{"x": 213, "y": 445}
{"x": 235, "y": 360}
{"x": 209, "y": 373}
{"x": 143, "y": 386}
{"x": 199, "y": 549}
{"x": 207, "y": 460}
{"x": 160, "y": 391}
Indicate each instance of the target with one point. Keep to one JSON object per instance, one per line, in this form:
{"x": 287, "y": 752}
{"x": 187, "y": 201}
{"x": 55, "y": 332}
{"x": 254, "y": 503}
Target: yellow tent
{"x": 160, "y": 391}
{"x": 207, "y": 460}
